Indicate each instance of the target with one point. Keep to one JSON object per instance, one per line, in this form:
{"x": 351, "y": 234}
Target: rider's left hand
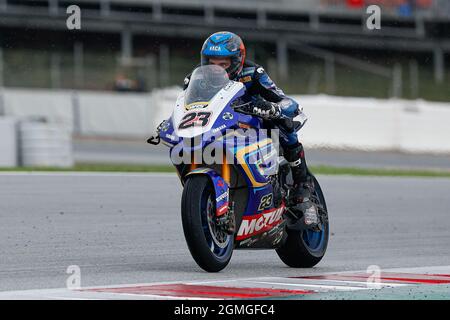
{"x": 266, "y": 109}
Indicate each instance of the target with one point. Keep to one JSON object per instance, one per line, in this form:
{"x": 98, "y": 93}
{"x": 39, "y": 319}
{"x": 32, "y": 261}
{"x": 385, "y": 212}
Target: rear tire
{"x": 297, "y": 251}
{"x": 209, "y": 248}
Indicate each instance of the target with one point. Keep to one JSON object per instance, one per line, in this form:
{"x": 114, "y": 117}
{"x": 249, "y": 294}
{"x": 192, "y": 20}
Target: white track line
{"x": 197, "y": 282}
{"x": 162, "y": 297}
{"x": 60, "y": 293}
{"x": 68, "y": 298}
{"x": 382, "y": 284}
{"x": 341, "y": 288}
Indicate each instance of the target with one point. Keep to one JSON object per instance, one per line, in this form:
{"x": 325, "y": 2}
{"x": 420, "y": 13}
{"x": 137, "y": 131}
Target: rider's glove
{"x": 266, "y": 109}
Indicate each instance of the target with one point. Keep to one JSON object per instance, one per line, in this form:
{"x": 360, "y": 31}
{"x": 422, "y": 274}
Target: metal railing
{"x": 433, "y": 8}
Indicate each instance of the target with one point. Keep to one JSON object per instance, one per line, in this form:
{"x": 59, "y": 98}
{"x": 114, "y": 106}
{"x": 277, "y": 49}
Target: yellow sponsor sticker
{"x": 246, "y": 79}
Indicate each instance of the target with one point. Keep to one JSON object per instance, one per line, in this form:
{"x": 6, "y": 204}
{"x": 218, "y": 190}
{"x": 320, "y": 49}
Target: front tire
{"x": 305, "y": 249}
{"x": 210, "y": 247}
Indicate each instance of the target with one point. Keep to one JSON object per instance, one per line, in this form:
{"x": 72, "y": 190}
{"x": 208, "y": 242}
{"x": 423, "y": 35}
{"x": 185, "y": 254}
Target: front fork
{"x": 224, "y": 207}
{"x": 227, "y": 222}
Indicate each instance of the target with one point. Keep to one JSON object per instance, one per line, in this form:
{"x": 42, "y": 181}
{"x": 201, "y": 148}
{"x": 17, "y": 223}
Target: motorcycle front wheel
{"x": 210, "y": 246}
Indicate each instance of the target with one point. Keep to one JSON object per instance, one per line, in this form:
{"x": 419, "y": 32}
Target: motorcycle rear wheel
{"x": 305, "y": 249}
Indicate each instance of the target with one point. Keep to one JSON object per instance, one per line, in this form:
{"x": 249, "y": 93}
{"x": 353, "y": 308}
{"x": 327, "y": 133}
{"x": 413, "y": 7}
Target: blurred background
{"x": 374, "y": 97}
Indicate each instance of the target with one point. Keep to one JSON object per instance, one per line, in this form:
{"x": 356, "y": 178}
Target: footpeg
{"x": 311, "y": 215}
{"x": 304, "y": 216}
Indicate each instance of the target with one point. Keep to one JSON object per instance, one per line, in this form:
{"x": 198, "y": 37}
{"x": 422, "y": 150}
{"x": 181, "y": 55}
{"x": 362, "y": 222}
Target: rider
{"x": 227, "y": 50}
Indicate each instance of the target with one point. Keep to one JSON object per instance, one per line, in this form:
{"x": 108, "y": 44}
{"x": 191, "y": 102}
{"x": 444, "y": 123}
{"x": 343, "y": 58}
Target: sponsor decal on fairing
{"x": 255, "y": 224}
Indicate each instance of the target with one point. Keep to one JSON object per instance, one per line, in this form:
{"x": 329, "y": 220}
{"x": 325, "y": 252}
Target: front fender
{"x": 221, "y": 188}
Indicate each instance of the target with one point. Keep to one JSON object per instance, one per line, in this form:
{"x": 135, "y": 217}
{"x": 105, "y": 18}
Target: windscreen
{"x": 205, "y": 83}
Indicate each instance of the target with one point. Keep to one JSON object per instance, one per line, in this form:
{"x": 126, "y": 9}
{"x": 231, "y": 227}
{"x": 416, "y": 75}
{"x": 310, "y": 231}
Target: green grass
{"x": 326, "y": 170}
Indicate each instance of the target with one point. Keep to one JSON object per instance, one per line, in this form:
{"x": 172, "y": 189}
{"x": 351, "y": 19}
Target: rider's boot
{"x": 302, "y": 184}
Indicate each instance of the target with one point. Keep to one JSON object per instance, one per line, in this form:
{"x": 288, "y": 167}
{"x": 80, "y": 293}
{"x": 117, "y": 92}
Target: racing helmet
{"x": 225, "y": 44}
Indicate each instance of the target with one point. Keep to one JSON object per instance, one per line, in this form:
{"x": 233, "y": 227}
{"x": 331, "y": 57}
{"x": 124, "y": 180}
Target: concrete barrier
{"x": 54, "y": 105}
{"x": 334, "y": 122}
{"x": 115, "y": 114}
{"x": 163, "y": 103}
{"x": 414, "y": 126}
{"x": 424, "y": 127}
{"x": 8, "y": 142}
{"x": 342, "y": 123}
{"x": 45, "y": 144}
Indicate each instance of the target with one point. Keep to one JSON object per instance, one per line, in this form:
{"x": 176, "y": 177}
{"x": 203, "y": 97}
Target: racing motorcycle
{"x": 242, "y": 201}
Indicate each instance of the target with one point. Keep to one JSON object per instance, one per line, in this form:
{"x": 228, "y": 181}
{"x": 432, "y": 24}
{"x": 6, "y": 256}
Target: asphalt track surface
{"x": 126, "y": 228}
